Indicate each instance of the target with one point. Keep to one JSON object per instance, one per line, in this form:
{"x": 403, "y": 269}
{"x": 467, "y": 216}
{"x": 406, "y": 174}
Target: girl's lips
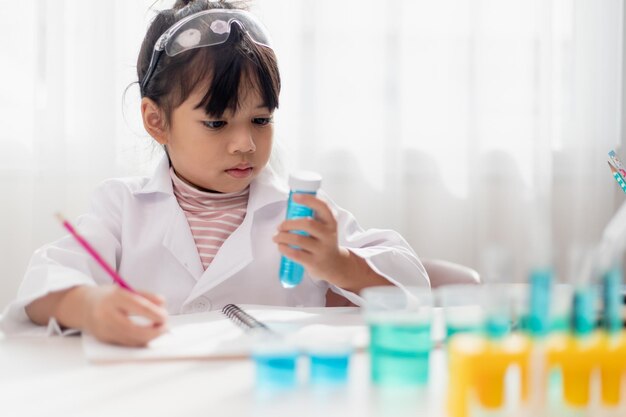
{"x": 239, "y": 172}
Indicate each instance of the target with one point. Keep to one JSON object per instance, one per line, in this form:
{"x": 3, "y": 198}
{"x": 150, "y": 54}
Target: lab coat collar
{"x": 236, "y": 252}
{"x": 267, "y": 189}
{"x": 160, "y": 181}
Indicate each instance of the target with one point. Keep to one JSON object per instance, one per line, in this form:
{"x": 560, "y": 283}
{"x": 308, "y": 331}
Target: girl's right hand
{"x": 108, "y": 310}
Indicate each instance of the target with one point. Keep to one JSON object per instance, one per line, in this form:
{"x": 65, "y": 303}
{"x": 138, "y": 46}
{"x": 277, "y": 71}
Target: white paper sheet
{"x": 211, "y": 335}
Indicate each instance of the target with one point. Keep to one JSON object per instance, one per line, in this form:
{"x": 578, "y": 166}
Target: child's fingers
{"x": 301, "y": 256}
{"x": 155, "y": 298}
{"x": 140, "y": 335}
{"x": 305, "y": 224}
{"x": 134, "y": 304}
{"x": 306, "y": 243}
{"x": 128, "y": 333}
{"x": 321, "y": 209}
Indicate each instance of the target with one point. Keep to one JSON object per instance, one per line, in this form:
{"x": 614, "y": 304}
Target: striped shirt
{"x": 212, "y": 217}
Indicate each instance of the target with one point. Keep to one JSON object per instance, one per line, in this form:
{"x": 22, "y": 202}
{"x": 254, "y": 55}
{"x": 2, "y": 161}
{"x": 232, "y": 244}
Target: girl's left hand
{"x": 319, "y": 252}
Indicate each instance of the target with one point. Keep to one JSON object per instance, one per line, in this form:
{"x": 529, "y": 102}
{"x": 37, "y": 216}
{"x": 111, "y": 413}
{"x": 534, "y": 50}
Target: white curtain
{"x": 473, "y": 127}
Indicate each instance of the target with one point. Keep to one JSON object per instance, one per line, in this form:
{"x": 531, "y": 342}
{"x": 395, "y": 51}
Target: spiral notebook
{"x": 243, "y": 319}
{"x": 224, "y": 335}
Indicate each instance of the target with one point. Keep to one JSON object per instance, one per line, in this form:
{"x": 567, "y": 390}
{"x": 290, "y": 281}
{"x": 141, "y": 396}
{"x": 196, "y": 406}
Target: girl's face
{"x": 220, "y": 154}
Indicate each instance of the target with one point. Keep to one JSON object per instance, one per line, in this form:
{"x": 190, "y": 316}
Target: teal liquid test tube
{"x": 399, "y": 321}
{"x": 400, "y": 354}
{"x": 462, "y": 308}
{"x": 301, "y": 182}
{"x": 538, "y": 324}
{"x": 612, "y": 317}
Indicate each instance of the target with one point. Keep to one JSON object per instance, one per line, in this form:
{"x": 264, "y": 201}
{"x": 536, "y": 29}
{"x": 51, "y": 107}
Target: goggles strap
{"x": 154, "y": 61}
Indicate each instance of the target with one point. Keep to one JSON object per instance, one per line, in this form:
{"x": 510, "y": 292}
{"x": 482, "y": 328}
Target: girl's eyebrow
{"x": 259, "y": 107}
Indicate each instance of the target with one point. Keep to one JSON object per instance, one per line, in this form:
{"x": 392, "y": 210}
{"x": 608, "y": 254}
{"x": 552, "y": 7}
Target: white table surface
{"x": 51, "y": 377}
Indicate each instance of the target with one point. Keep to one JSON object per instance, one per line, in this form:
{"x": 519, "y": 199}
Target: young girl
{"x": 208, "y": 227}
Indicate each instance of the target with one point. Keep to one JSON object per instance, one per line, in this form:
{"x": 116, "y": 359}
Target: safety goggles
{"x": 206, "y": 28}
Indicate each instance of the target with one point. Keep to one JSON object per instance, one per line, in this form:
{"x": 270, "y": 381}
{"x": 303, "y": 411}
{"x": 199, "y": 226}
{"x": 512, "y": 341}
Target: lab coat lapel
{"x": 177, "y": 239}
{"x": 237, "y": 251}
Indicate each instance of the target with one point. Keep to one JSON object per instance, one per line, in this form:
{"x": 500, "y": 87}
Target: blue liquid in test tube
{"x": 329, "y": 368}
{"x": 302, "y": 182}
{"x": 276, "y": 369}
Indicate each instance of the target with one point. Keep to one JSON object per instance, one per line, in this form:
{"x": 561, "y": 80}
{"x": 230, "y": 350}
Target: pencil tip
{"x": 59, "y": 216}
{"x": 611, "y": 167}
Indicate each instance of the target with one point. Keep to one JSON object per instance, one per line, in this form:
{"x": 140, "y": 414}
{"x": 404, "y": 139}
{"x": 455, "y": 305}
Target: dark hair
{"x": 221, "y": 67}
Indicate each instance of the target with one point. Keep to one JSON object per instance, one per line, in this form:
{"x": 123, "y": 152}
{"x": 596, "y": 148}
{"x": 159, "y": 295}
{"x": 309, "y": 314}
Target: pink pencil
{"x": 116, "y": 277}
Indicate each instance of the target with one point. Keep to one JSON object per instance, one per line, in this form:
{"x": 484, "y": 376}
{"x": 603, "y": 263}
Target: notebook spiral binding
{"x": 242, "y": 319}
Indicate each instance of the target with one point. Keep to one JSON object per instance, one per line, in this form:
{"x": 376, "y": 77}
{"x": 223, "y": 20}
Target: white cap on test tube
{"x": 308, "y": 181}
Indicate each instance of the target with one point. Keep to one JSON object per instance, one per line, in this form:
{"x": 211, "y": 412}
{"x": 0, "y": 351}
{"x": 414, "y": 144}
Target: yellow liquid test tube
{"x": 499, "y": 356}
{"x": 464, "y": 352}
{"x": 577, "y": 357}
{"x": 479, "y": 365}
{"x": 612, "y": 366}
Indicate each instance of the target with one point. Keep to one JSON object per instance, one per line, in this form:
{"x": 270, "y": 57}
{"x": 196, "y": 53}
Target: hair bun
{"x": 181, "y": 3}
{"x": 200, "y": 5}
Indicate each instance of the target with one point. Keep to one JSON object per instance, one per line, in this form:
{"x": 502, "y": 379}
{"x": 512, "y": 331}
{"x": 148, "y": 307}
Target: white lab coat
{"x": 137, "y": 225}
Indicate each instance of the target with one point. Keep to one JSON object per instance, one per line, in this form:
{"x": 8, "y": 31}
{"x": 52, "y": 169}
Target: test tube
{"x": 329, "y": 362}
{"x": 301, "y": 182}
{"x": 399, "y": 320}
{"x": 462, "y": 308}
{"x": 276, "y": 361}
